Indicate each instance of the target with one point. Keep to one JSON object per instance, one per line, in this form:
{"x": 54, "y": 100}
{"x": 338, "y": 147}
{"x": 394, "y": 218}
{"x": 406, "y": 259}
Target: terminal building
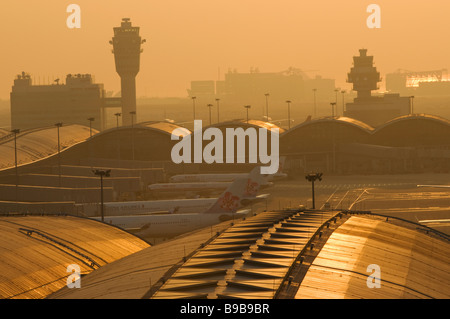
{"x": 34, "y": 106}
{"x": 240, "y": 88}
{"x": 423, "y": 83}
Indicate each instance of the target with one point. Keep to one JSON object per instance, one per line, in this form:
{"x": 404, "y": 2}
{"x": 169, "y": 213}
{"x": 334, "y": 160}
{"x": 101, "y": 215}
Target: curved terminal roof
{"x": 247, "y": 260}
{"x": 36, "y": 144}
{"x": 412, "y": 264}
{"x": 340, "y": 120}
{"x": 414, "y": 129}
{"x": 165, "y": 127}
{"x": 412, "y": 117}
{"x": 254, "y": 258}
{"x": 36, "y": 251}
{"x": 251, "y": 123}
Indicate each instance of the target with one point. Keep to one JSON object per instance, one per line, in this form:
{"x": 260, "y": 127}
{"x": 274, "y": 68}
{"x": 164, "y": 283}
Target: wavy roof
{"x": 36, "y": 144}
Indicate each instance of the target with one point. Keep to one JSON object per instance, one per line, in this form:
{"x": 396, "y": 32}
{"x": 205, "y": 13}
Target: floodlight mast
{"x": 312, "y": 177}
{"x": 102, "y": 173}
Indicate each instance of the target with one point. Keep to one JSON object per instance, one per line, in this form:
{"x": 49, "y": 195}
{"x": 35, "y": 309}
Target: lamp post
{"x": 117, "y": 119}
{"x": 58, "y": 125}
{"x": 209, "y": 107}
{"x": 217, "y": 100}
{"x": 312, "y": 177}
{"x": 247, "y": 107}
{"x": 333, "y": 104}
{"x": 411, "y": 99}
{"x": 133, "y": 113}
{"x": 193, "y": 105}
{"x": 343, "y": 101}
{"x": 289, "y": 113}
{"x": 118, "y": 137}
{"x": 315, "y": 106}
{"x": 16, "y": 131}
{"x": 90, "y": 125}
{"x": 267, "y": 105}
{"x": 102, "y": 173}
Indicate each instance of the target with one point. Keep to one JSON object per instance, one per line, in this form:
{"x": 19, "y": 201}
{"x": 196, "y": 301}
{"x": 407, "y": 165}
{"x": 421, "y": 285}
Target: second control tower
{"x": 364, "y": 75}
{"x": 127, "y": 50}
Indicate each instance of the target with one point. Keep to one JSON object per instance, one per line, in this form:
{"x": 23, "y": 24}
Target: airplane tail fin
{"x": 230, "y": 200}
{"x": 255, "y": 181}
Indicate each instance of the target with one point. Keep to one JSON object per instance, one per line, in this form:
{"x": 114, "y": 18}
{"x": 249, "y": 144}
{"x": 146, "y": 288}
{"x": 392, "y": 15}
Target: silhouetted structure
{"x": 373, "y": 110}
{"x": 127, "y": 50}
{"x": 35, "y": 106}
{"x": 435, "y": 82}
{"x": 239, "y": 88}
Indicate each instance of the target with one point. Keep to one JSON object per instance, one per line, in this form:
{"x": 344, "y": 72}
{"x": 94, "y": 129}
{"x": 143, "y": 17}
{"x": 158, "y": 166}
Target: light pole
{"x": 209, "y": 106}
{"x": 118, "y": 137}
{"x": 336, "y": 101}
{"x": 289, "y": 113}
{"x": 247, "y": 107}
{"x": 117, "y": 118}
{"x": 90, "y": 125}
{"x": 193, "y": 105}
{"x": 102, "y": 173}
{"x": 133, "y": 113}
{"x": 411, "y": 99}
{"x": 315, "y": 106}
{"x": 217, "y": 100}
{"x": 333, "y": 104}
{"x": 58, "y": 125}
{"x": 343, "y": 101}
{"x": 312, "y": 177}
{"x": 267, "y": 105}
{"x": 16, "y": 131}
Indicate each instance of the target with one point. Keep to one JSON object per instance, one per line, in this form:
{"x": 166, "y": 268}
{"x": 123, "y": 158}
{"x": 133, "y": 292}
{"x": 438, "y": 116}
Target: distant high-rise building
{"x": 373, "y": 110}
{"x": 74, "y": 102}
{"x": 127, "y": 50}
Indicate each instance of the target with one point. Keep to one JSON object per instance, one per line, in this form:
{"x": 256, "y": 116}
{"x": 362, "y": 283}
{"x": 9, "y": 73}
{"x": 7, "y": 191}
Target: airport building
{"x": 373, "y": 110}
{"x": 251, "y": 88}
{"x": 423, "y": 83}
{"x": 36, "y": 106}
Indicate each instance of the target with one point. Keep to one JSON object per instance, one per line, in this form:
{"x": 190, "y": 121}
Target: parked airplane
{"x": 169, "y": 225}
{"x": 206, "y": 187}
{"x": 181, "y": 206}
{"x": 224, "y": 177}
{"x": 436, "y": 186}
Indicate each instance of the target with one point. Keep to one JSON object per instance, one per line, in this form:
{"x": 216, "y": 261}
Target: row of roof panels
{"x": 36, "y": 251}
{"x": 411, "y": 263}
{"x": 248, "y": 260}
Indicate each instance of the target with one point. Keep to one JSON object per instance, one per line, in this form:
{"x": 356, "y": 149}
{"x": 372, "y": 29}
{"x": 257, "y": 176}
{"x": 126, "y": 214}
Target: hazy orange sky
{"x": 191, "y": 39}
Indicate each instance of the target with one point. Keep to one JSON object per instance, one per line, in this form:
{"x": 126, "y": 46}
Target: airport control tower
{"x": 127, "y": 50}
{"x": 363, "y": 75}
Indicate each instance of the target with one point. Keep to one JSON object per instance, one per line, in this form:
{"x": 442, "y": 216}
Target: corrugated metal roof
{"x": 342, "y": 119}
{"x": 165, "y": 127}
{"x": 248, "y": 260}
{"x": 411, "y": 117}
{"x": 412, "y": 263}
{"x": 256, "y": 123}
{"x": 36, "y": 251}
{"x": 36, "y": 144}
